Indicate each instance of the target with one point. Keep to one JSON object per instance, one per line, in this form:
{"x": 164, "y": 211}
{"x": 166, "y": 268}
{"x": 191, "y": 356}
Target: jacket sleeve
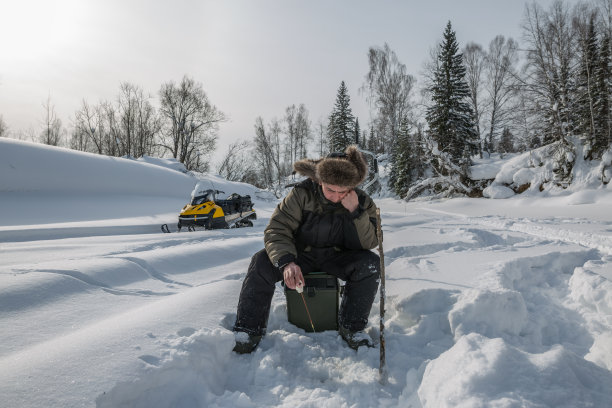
{"x": 279, "y": 237}
{"x": 364, "y": 219}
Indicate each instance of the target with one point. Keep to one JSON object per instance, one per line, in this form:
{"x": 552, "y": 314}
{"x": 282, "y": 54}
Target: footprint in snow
{"x": 186, "y": 332}
{"x": 151, "y": 360}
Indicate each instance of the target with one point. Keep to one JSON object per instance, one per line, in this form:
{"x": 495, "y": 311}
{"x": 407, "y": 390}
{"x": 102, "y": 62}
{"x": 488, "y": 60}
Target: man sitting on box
{"x": 324, "y": 224}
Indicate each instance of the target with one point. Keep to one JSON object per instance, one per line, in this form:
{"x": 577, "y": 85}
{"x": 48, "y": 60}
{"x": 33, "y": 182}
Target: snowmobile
{"x": 206, "y": 211}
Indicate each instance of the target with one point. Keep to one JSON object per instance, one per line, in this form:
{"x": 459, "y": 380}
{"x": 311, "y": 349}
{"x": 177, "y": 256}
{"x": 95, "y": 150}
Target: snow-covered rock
{"x": 497, "y": 191}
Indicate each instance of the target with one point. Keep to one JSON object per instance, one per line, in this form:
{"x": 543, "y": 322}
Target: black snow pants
{"x": 360, "y": 269}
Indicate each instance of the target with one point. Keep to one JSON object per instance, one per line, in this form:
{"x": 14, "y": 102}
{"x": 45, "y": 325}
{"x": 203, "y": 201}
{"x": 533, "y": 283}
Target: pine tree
{"x": 506, "y": 143}
{"x": 549, "y": 71}
{"x": 603, "y": 131}
{"x": 341, "y": 127}
{"x": 357, "y": 131}
{"x": 586, "y": 90}
{"x": 372, "y": 144}
{"x": 400, "y": 177}
{"x": 393, "y": 167}
{"x": 450, "y": 117}
{"x": 419, "y": 153}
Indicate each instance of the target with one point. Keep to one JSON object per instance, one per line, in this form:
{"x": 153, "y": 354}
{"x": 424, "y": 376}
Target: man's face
{"x": 333, "y": 193}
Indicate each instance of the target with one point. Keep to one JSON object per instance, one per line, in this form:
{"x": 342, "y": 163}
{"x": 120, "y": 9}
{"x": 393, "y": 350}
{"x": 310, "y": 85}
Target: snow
{"x": 497, "y": 191}
{"x": 56, "y": 170}
{"x": 169, "y": 163}
{"x": 486, "y": 169}
{"x": 490, "y": 303}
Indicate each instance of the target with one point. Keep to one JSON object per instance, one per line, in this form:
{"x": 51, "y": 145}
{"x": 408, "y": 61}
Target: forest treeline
{"x": 553, "y": 88}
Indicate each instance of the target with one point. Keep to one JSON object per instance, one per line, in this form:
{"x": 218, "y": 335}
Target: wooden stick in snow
{"x": 382, "y": 369}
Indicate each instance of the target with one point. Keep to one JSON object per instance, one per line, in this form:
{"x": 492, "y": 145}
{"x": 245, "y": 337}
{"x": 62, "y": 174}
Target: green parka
{"x": 305, "y": 219}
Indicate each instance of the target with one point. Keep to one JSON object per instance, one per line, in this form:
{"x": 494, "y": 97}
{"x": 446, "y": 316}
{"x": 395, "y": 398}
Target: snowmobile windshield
{"x": 201, "y": 199}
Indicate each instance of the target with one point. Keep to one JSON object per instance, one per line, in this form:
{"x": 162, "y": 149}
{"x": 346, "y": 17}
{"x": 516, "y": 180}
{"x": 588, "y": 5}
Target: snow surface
{"x": 490, "y": 303}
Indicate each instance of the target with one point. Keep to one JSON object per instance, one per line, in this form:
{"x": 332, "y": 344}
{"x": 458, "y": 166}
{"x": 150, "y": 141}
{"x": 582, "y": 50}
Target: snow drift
{"x": 38, "y": 168}
{"x": 502, "y": 303}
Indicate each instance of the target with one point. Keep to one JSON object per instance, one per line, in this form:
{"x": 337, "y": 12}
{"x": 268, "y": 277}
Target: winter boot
{"x": 245, "y": 343}
{"x": 355, "y": 339}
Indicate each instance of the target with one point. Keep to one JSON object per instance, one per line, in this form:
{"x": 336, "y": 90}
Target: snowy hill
{"x": 32, "y": 167}
{"x": 489, "y": 302}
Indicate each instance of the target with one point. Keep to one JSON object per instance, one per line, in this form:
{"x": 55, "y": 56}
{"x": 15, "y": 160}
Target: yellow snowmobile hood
{"x": 205, "y": 211}
{"x": 202, "y": 209}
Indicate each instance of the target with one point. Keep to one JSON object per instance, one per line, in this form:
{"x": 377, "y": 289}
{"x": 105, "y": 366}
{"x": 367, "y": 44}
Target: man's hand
{"x": 350, "y": 201}
{"x": 292, "y": 274}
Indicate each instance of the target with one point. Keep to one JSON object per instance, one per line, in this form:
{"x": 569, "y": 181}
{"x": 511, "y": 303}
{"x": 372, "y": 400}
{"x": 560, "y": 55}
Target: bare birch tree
{"x": 604, "y": 8}
{"x": 3, "y": 127}
{"x": 548, "y": 83}
{"x": 550, "y": 63}
{"x": 275, "y": 131}
{"x": 138, "y": 121}
{"x": 52, "y": 126}
{"x": 236, "y": 165}
{"x": 474, "y": 61}
{"x": 88, "y": 134}
{"x": 389, "y": 88}
{"x": 501, "y": 85}
{"x": 322, "y": 146}
{"x": 190, "y": 123}
{"x": 264, "y": 155}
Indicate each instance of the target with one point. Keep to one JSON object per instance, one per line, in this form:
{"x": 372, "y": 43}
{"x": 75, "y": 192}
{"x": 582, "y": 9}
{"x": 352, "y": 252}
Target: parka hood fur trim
{"x": 349, "y": 171}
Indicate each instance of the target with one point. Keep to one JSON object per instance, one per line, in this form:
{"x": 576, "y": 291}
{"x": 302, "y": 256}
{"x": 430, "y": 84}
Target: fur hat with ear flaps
{"x": 346, "y": 170}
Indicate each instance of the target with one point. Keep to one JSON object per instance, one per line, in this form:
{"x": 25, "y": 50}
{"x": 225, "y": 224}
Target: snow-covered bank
{"x": 490, "y": 303}
{"x": 45, "y": 169}
{"x": 42, "y": 185}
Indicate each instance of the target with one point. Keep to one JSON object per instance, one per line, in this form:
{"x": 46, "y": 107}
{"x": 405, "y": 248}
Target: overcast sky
{"x": 253, "y": 57}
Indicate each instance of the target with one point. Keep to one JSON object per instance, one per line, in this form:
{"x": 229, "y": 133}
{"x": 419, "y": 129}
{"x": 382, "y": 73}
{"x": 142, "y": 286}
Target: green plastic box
{"x": 321, "y": 293}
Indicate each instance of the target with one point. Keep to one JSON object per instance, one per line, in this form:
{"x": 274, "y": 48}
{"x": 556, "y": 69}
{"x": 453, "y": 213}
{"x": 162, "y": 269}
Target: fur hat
{"x": 348, "y": 169}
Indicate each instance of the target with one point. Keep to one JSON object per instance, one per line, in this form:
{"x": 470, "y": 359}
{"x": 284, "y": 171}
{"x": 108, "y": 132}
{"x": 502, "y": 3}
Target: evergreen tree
{"x": 341, "y": 127}
{"x": 534, "y": 142}
{"x": 372, "y": 144}
{"x": 586, "y": 91}
{"x": 603, "y": 131}
{"x": 400, "y": 176}
{"x": 450, "y": 117}
{"x": 551, "y": 60}
{"x": 420, "y": 159}
{"x": 357, "y": 131}
{"x": 506, "y": 143}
